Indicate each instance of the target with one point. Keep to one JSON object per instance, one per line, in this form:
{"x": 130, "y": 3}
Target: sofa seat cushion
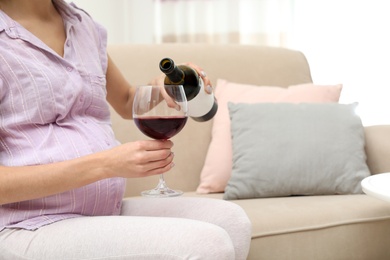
{"x": 316, "y": 223}
{"x": 271, "y": 216}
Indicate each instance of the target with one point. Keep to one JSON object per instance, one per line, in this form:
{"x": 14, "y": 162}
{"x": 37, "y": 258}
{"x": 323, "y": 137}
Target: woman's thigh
{"x": 119, "y": 237}
{"x": 224, "y": 214}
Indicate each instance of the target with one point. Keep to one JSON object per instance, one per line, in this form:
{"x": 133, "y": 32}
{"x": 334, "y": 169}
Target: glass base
{"x": 161, "y": 191}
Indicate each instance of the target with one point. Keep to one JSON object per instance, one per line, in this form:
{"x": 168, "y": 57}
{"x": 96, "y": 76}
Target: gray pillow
{"x": 284, "y": 149}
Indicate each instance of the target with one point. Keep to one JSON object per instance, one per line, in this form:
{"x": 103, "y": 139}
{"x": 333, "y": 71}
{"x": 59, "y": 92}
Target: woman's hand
{"x": 159, "y": 81}
{"x": 207, "y": 83}
{"x": 139, "y": 159}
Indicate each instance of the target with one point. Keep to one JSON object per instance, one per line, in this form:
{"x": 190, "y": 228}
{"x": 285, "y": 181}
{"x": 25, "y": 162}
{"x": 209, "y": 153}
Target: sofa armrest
{"x": 378, "y": 148}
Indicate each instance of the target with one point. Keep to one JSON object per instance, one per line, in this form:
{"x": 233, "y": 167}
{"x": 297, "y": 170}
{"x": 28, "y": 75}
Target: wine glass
{"x": 160, "y": 112}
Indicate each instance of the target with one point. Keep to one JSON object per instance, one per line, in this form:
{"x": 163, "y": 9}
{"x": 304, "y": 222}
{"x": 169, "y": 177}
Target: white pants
{"x": 170, "y": 228}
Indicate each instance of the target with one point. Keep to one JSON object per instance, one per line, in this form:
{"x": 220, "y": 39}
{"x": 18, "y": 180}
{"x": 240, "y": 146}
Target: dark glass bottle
{"x": 201, "y": 106}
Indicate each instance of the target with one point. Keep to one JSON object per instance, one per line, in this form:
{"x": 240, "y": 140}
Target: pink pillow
{"x": 218, "y": 164}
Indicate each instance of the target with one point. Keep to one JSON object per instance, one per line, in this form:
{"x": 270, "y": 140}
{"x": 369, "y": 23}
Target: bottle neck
{"x": 173, "y": 72}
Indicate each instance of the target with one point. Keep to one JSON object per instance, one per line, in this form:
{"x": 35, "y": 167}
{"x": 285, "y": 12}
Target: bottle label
{"x": 202, "y": 103}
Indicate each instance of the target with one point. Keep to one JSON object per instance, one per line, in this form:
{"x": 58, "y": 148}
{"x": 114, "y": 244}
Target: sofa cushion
{"x": 218, "y": 163}
{"x": 344, "y": 223}
{"x": 296, "y": 149}
{"x": 274, "y": 216}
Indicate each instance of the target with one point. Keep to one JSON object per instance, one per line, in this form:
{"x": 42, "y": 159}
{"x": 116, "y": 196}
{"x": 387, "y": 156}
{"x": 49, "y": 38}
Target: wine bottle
{"x": 201, "y": 105}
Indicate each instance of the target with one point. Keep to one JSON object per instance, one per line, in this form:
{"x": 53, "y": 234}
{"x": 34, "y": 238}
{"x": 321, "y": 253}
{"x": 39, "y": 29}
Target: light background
{"x": 345, "y": 41}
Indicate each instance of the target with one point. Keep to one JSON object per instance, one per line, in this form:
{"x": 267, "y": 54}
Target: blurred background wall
{"x": 345, "y": 41}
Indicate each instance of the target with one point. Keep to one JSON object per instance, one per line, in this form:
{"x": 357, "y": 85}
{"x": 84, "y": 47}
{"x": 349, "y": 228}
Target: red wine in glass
{"x": 160, "y": 116}
{"x": 161, "y": 127}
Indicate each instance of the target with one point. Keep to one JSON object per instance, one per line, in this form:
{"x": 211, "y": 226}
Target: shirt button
{"x": 68, "y": 43}
{"x": 69, "y": 68}
{"x": 84, "y": 121}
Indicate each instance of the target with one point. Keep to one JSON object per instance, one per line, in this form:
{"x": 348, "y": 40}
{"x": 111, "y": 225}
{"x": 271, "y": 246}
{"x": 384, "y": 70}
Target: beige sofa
{"x": 306, "y": 227}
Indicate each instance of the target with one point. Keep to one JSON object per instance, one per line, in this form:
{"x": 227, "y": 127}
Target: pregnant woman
{"x": 62, "y": 172}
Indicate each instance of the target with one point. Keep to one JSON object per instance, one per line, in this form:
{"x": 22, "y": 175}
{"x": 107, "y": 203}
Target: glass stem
{"x": 161, "y": 183}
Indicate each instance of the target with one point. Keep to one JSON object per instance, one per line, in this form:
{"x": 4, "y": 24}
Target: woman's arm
{"x": 120, "y": 93}
{"x": 137, "y": 159}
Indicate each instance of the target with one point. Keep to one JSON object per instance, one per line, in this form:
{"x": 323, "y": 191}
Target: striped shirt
{"x": 52, "y": 109}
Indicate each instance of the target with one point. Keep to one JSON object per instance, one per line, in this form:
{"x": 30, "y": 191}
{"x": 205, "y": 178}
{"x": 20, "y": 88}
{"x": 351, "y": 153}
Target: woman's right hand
{"x": 139, "y": 159}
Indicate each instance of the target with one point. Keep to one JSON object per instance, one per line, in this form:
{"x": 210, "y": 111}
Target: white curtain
{"x": 345, "y": 41}
{"x": 224, "y": 21}
{"x": 213, "y": 21}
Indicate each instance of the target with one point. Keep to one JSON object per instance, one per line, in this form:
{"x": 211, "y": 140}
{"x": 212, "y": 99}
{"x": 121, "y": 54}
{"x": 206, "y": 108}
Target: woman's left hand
{"x": 207, "y": 83}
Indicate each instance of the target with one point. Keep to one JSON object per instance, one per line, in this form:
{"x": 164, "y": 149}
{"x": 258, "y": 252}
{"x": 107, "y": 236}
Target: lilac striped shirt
{"x": 52, "y": 109}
